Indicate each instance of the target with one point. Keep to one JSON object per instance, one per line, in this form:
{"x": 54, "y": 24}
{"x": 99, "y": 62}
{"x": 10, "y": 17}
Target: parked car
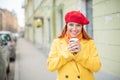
{"x": 15, "y": 36}
{"x": 11, "y": 44}
{"x": 4, "y": 59}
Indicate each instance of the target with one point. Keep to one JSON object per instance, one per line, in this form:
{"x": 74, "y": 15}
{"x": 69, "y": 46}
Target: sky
{"x": 16, "y": 6}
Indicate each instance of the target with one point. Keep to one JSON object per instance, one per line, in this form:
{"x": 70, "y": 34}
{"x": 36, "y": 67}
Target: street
{"x": 12, "y": 69}
{"x": 36, "y": 23}
{"x": 30, "y": 64}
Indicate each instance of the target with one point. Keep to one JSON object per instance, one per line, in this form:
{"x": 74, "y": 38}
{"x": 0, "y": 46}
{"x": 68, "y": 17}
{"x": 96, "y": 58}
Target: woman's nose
{"x": 74, "y": 27}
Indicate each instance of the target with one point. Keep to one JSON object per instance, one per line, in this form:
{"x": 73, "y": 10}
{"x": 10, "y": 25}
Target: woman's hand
{"x": 74, "y": 47}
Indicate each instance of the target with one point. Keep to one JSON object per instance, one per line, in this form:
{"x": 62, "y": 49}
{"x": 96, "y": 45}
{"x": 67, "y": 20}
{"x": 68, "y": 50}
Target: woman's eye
{"x": 78, "y": 25}
{"x": 71, "y": 25}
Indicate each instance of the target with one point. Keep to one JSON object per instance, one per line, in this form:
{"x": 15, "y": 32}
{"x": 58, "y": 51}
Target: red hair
{"x": 85, "y": 34}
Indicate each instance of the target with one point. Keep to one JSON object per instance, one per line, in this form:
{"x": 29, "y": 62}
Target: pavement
{"x": 30, "y": 64}
{"x": 11, "y": 73}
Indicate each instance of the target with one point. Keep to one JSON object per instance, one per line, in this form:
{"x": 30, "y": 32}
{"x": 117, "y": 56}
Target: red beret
{"x": 76, "y": 16}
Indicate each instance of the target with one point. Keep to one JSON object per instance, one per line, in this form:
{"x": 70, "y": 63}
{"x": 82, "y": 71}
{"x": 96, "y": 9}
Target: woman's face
{"x": 74, "y": 29}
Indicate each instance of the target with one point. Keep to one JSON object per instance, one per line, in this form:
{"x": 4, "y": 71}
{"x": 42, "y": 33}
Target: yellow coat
{"x": 73, "y": 67}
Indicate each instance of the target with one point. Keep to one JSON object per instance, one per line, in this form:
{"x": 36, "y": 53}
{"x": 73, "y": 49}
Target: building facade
{"x": 52, "y": 13}
{"x": 8, "y": 21}
{"x": 106, "y": 23}
{"x": 104, "y": 27}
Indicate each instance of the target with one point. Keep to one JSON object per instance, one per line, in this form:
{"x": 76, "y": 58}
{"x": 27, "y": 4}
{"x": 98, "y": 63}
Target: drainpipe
{"x": 33, "y": 21}
{"x": 54, "y": 19}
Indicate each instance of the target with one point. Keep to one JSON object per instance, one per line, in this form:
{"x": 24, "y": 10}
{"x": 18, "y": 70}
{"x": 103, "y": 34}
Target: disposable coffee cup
{"x": 73, "y": 39}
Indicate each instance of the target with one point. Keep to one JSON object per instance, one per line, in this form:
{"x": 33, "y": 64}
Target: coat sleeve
{"x": 89, "y": 58}
{"x": 57, "y": 58}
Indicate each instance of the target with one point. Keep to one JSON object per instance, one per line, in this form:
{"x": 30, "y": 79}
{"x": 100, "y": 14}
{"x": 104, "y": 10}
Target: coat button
{"x": 66, "y": 76}
{"x": 78, "y": 77}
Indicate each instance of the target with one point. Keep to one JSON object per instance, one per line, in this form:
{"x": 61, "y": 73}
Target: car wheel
{"x": 12, "y": 59}
{"x": 8, "y": 69}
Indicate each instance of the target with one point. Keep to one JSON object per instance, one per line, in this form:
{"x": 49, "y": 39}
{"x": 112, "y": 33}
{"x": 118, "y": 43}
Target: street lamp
{"x": 38, "y": 22}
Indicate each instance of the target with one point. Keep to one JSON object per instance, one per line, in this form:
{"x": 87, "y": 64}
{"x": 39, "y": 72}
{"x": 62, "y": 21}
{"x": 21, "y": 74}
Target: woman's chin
{"x": 74, "y": 36}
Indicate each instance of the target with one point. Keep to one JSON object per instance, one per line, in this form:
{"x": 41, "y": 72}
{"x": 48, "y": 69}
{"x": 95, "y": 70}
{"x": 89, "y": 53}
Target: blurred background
{"x": 40, "y": 21}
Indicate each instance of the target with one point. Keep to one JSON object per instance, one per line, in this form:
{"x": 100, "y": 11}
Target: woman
{"x": 77, "y": 59}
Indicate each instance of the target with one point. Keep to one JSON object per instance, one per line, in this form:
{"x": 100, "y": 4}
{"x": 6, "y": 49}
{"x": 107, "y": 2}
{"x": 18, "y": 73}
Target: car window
{"x": 8, "y": 38}
{"x": 3, "y": 40}
{"x": 2, "y": 36}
